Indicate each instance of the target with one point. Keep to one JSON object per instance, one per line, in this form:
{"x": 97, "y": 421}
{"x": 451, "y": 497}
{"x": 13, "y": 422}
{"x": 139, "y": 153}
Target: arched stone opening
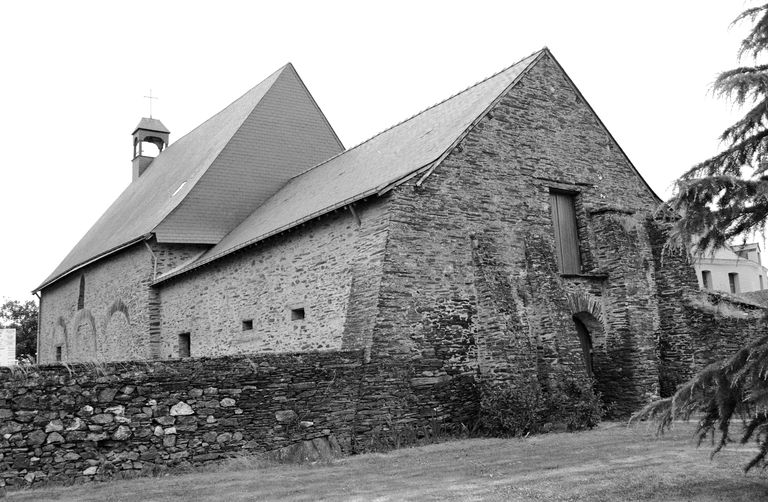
{"x": 83, "y": 345}
{"x": 590, "y": 333}
{"x": 584, "y": 321}
{"x": 117, "y": 342}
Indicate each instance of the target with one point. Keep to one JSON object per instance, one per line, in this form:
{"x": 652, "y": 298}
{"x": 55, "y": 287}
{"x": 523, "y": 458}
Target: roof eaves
{"x": 92, "y": 260}
{"x": 262, "y": 237}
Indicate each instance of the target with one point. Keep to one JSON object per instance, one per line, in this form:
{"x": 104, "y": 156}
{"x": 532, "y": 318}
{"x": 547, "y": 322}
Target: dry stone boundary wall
{"x": 74, "y": 423}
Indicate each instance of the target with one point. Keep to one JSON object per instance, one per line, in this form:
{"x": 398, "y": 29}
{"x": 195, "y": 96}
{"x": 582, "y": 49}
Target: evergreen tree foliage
{"x": 718, "y": 200}
{"x": 726, "y": 196}
{"x": 733, "y": 389}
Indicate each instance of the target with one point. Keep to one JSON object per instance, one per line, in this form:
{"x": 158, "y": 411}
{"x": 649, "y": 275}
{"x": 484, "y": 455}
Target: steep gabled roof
{"x": 203, "y": 185}
{"x": 371, "y": 167}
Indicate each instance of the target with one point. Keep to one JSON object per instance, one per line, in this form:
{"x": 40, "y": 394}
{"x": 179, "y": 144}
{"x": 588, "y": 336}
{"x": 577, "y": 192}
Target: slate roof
{"x": 151, "y": 124}
{"x": 173, "y": 205}
{"x": 405, "y": 149}
{"x": 224, "y": 168}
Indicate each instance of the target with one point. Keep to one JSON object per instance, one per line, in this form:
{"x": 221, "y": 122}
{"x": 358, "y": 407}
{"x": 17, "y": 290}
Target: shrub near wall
{"x": 81, "y": 422}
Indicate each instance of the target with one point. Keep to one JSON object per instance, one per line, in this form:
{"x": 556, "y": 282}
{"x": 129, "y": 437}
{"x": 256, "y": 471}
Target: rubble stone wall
{"x": 81, "y": 422}
{"x": 326, "y": 268}
{"x": 470, "y": 281}
{"x": 696, "y": 327}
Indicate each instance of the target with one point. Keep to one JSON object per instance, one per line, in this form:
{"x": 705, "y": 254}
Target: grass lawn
{"x": 611, "y": 463}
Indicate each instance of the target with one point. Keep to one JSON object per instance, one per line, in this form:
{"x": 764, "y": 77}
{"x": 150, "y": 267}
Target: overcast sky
{"x": 74, "y": 75}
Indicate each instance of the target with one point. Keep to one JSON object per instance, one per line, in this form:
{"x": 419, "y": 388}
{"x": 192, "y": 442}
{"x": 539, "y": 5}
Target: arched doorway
{"x": 589, "y": 331}
{"x": 585, "y": 340}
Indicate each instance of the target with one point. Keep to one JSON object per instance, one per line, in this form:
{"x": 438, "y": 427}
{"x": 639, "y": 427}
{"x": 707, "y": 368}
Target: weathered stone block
{"x": 165, "y": 420}
{"x": 122, "y": 433}
{"x": 285, "y": 416}
{"x": 54, "y": 437}
{"x": 103, "y": 418}
{"x": 54, "y": 425}
{"x": 107, "y": 395}
{"x": 181, "y": 408}
{"x": 36, "y": 437}
{"x": 118, "y": 410}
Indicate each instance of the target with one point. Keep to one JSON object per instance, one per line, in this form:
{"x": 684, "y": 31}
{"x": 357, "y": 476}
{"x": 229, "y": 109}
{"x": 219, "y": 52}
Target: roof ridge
{"x": 420, "y": 112}
{"x": 202, "y": 169}
{"x": 314, "y": 103}
{"x": 201, "y": 124}
{"x": 206, "y": 170}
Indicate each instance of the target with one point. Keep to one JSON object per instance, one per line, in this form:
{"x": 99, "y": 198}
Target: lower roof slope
{"x": 370, "y": 167}
{"x": 203, "y": 185}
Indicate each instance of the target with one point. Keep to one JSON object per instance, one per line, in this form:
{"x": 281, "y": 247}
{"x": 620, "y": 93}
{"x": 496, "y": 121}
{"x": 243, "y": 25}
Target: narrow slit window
{"x": 706, "y": 279}
{"x": 247, "y": 324}
{"x": 761, "y": 283}
{"x": 81, "y": 294}
{"x": 566, "y": 231}
{"x": 297, "y": 314}
{"x": 184, "y": 345}
{"x": 58, "y": 353}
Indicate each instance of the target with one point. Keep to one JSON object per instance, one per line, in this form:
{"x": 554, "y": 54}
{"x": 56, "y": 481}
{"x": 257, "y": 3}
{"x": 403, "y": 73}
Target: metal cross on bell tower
{"x": 150, "y": 98}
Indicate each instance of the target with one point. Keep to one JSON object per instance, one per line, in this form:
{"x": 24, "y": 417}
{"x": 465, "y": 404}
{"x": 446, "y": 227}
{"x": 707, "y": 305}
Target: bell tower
{"x": 150, "y": 131}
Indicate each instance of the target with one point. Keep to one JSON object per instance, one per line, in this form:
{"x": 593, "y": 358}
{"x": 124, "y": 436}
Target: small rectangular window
{"x": 184, "y": 345}
{"x": 733, "y": 282}
{"x": 297, "y": 314}
{"x": 58, "y": 353}
{"x": 706, "y": 279}
{"x": 247, "y": 324}
{"x": 761, "y": 283}
{"x": 566, "y": 232}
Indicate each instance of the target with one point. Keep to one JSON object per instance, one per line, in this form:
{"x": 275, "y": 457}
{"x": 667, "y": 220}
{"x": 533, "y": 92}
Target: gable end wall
{"x": 470, "y": 280}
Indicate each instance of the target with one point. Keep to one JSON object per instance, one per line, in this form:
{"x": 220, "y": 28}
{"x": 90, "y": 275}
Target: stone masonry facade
{"x": 113, "y": 322}
{"x": 470, "y": 276}
{"x": 448, "y": 278}
{"x": 116, "y": 320}
{"x": 324, "y": 269}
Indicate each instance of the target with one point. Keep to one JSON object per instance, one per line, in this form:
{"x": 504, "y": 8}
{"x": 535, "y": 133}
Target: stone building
{"x": 502, "y": 231}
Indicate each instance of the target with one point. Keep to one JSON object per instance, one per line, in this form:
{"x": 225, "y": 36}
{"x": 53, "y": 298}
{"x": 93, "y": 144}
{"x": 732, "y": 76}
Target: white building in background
{"x": 7, "y": 346}
{"x": 734, "y": 269}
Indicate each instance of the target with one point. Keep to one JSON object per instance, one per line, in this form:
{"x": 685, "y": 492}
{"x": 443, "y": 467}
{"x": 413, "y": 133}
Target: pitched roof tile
{"x": 186, "y": 178}
{"x": 368, "y": 167}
